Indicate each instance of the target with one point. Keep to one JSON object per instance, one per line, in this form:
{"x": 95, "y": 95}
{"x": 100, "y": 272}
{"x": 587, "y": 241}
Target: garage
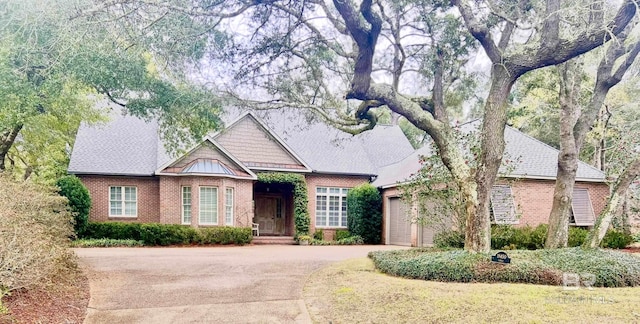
{"x": 426, "y": 235}
{"x": 399, "y": 223}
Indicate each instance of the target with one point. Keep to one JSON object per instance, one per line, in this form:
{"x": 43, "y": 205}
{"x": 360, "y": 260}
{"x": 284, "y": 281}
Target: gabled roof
{"x": 207, "y": 167}
{"x": 299, "y": 164}
{"x": 532, "y": 159}
{"x": 330, "y": 151}
{"x": 130, "y": 146}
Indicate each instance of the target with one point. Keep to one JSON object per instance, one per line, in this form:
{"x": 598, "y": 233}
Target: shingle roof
{"x": 124, "y": 146}
{"x": 129, "y": 146}
{"x": 328, "y": 150}
{"x": 532, "y": 158}
{"x": 539, "y": 160}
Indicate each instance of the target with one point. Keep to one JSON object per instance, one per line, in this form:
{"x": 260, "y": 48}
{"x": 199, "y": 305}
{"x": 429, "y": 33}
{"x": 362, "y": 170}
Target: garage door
{"x": 399, "y": 224}
{"x": 427, "y": 235}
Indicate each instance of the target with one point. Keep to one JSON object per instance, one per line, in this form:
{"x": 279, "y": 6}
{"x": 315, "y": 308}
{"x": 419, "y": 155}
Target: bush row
{"x": 611, "y": 268}
{"x": 168, "y": 234}
{"x": 350, "y": 240}
{"x": 507, "y": 237}
{"x": 105, "y": 242}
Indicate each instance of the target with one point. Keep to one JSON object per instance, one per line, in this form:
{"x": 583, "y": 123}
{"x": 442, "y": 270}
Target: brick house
{"x": 522, "y": 195}
{"x": 131, "y": 178}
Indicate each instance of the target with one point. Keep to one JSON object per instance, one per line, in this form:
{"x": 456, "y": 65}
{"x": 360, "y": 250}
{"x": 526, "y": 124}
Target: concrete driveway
{"x": 250, "y": 284}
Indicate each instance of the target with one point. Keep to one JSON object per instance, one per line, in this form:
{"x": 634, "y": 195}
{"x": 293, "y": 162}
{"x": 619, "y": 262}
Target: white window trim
{"x": 343, "y": 196}
{"x": 182, "y": 204}
{"x": 232, "y": 205}
{"x": 122, "y": 199}
{"x": 217, "y": 217}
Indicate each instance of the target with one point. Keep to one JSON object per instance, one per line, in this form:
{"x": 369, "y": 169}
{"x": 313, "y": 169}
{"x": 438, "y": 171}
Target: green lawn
{"x": 354, "y": 292}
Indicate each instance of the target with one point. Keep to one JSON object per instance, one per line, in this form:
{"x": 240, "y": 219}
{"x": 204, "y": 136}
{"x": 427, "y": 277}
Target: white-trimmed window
{"x": 228, "y": 207}
{"x": 123, "y": 201}
{"x": 331, "y": 207}
{"x": 186, "y": 205}
{"x": 208, "y": 206}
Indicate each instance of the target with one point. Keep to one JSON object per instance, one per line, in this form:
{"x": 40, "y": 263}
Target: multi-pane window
{"x": 186, "y": 205}
{"x": 208, "y": 206}
{"x": 123, "y": 201}
{"x": 228, "y": 207}
{"x": 331, "y": 207}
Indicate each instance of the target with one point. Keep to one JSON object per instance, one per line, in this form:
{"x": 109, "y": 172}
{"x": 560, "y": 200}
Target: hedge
{"x": 364, "y": 207}
{"x": 167, "y": 234}
{"x": 507, "y": 237}
{"x": 611, "y": 268}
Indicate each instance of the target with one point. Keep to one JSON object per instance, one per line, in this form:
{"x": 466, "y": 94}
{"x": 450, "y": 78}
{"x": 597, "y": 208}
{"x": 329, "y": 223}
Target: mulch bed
{"x": 64, "y": 303}
{"x": 631, "y": 250}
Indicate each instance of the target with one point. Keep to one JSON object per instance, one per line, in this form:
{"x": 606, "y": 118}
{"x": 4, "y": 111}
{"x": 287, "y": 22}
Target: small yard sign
{"x": 501, "y": 257}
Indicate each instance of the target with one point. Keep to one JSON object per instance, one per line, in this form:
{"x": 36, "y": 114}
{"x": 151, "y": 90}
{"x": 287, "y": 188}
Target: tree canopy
{"x": 344, "y": 61}
{"x": 53, "y": 70}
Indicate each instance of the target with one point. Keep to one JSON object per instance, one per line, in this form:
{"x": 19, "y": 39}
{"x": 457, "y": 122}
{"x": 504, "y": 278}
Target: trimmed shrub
{"x": 614, "y": 239}
{"x": 168, "y": 234}
{"x": 449, "y": 239}
{"x": 79, "y": 200}
{"x": 113, "y": 230}
{"x": 351, "y": 240}
{"x": 224, "y": 235}
{"x": 611, "y": 268}
{"x": 342, "y": 234}
{"x": 87, "y": 243}
{"x": 364, "y": 207}
{"x": 35, "y": 226}
{"x": 636, "y": 237}
{"x": 318, "y": 234}
{"x": 577, "y": 236}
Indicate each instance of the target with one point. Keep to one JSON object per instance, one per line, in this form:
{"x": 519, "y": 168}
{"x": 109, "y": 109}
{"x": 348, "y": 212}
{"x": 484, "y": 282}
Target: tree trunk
{"x": 613, "y": 205}
{"x": 6, "y": 142}
{"x": 570, "y": 80}
{"x": 478, "y": 224}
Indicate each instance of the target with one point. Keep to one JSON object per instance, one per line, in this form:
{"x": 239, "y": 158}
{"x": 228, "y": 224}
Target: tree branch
{"x": 479, "y": 30}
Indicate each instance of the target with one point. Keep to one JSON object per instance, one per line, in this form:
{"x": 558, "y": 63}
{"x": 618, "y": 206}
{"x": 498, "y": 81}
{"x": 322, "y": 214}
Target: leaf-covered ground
{"x": 64, "y": 302}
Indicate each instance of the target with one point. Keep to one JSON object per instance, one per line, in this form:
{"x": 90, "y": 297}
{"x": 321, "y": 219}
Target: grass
{"x": 354, "y": 292}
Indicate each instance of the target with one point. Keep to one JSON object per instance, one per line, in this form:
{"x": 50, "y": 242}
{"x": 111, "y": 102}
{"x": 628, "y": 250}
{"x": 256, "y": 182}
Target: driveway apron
{"x": 249, "y": 284}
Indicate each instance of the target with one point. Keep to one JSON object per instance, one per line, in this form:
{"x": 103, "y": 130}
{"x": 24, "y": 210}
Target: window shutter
{"x": 582, "y": 208}
{"x": 502, "y": 206}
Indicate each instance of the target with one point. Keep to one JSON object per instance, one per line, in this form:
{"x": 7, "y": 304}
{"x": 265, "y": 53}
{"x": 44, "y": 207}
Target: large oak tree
{"x": 345, "y": 60}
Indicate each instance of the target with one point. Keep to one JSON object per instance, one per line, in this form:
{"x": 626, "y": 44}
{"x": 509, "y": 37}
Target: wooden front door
{"x": 269, "y": 214}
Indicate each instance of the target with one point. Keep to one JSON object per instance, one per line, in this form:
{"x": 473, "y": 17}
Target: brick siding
{"x": 534, "y": 198}
{"x": 314, "y": 181}
{"x": 171, "y": 199}
{"x": 147, "y": 191}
